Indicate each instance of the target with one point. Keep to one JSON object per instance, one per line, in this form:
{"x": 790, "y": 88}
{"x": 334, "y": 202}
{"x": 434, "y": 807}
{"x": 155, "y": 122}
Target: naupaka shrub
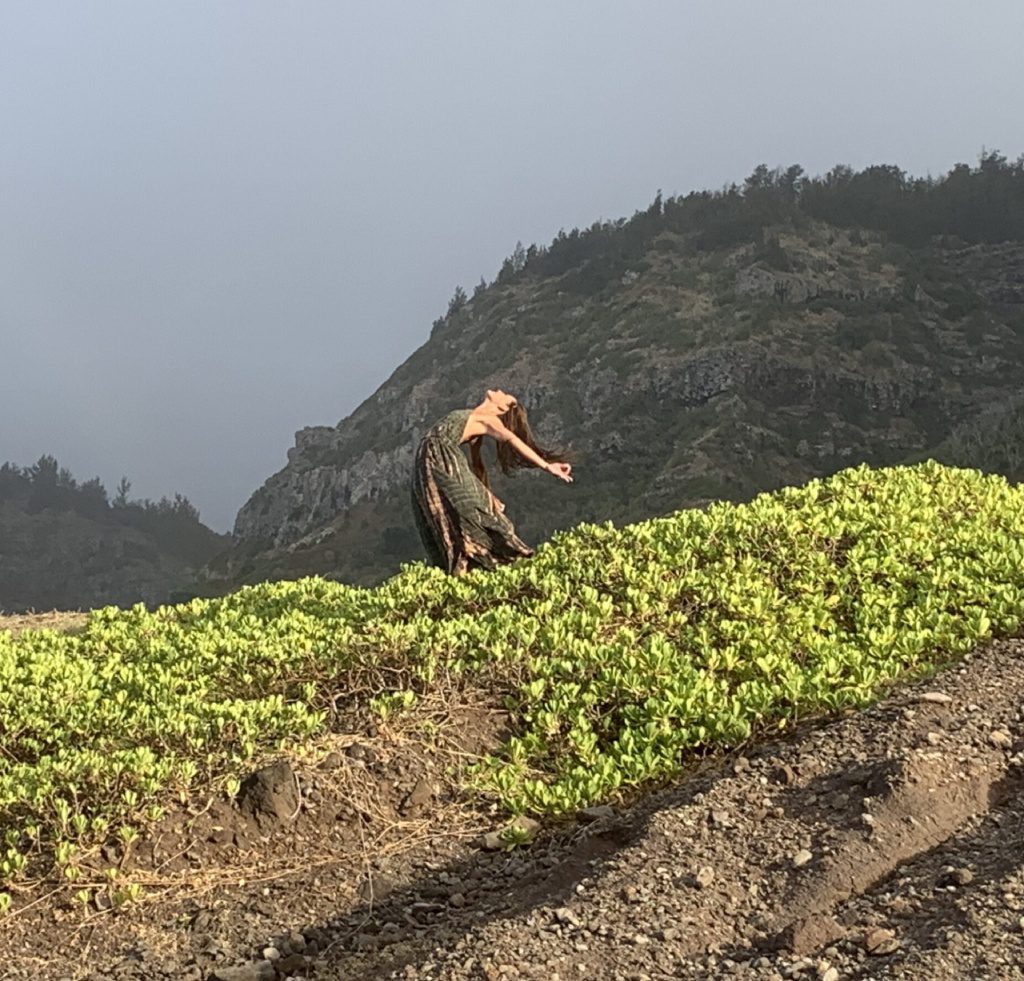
{"x": 619, "y": 651}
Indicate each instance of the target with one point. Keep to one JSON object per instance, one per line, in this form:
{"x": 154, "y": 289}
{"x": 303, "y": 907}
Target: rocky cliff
{"x": 683, "y": 375}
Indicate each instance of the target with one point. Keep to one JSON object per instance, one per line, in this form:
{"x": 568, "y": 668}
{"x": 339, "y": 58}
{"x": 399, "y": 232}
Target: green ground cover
{"x": 621, "y": 652}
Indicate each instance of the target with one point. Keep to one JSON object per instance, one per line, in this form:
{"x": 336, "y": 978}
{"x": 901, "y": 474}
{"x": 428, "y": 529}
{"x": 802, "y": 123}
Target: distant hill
{"x": 710, "y": 347}
{"x": 66, "y": 545}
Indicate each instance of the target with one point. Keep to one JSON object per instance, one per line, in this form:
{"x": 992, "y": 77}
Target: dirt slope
{"x": 886, "y": 844}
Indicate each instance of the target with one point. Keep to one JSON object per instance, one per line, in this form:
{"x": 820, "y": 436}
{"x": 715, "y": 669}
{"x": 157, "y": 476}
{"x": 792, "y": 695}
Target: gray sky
{"x": 223, "y": 221}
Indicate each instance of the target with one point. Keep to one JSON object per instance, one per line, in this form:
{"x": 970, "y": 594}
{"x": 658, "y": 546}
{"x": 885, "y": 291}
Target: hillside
{"x": 708, "y": 348}
{"x": 65, "y": 545}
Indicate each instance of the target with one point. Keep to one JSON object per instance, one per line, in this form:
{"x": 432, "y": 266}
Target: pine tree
{"x": 121, "y": 495}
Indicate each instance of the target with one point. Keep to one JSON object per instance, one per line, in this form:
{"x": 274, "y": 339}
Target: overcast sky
{"x": 223, "y": 221}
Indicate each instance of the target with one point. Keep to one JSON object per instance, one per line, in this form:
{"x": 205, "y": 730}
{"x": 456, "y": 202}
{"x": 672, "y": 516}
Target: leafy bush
{"x": 620, "y": 651}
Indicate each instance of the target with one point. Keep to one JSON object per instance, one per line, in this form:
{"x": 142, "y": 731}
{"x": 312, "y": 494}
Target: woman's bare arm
{"x": 495, "y": 428}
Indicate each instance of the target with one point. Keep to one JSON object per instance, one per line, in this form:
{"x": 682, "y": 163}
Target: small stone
{"x": 290, "y": 964}
{"x": 880, "y": 941}
{"x": 830, "y": 974}
{"x": 741, "y": 765}
{"x": 704, "y": 877}
{"x": 669, "y": 933}
{"x": 365, "y": 754}
{"x": 457, "y": 899}
{"x": 565, "y": 915}
{"x": 802, "y": 857}
{"x": 270, "y": 795}
{"x": 271, "y": 954}
{"x": 956, "y": 877}
{"x": 221, "y": 836}
{"x": 527, "y": 824}
{"x": 419, "y": 797}
{"x": 372, "y": 889}
{"x": 631, "y": 894}
{"x": 492, "y": 841}
{"x": 934, "y": 738}
{"x": 720, "y": 818}
{"x": 1000, "y": 739}
{"x": 937, "y": 697}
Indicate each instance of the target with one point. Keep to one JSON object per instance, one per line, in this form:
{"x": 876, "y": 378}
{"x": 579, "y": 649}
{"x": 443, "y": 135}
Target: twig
{"x": 35, "y": 902}
{"x": 298, "y": 795}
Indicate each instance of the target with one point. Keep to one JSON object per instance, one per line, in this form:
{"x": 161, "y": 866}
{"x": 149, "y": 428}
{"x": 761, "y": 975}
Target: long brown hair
{"x": 508, "y": 459}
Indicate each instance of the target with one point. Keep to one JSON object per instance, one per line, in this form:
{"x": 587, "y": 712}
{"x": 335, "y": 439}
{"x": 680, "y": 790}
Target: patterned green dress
{"x": 455, "y": 516}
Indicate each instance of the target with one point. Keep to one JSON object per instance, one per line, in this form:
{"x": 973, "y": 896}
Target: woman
{"x": 462, "y": 524}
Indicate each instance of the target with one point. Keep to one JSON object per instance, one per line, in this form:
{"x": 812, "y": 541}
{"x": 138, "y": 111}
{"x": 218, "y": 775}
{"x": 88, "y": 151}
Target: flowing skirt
{"x": 457, "y": 522}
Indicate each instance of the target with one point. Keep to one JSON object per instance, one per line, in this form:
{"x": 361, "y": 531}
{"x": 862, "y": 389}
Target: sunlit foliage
{"x": 621, "y": 652}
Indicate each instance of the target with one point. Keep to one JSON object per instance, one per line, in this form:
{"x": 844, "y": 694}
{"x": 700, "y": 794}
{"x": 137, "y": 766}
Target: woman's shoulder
{"x": 452, "y": 423}
{"x": 462, "y": 414}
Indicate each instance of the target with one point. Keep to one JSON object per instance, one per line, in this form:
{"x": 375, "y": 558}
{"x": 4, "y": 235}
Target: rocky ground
{"x": 884, "y": 844}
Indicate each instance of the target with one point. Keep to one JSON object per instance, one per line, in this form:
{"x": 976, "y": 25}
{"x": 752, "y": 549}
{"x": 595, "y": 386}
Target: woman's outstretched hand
{"x": 563, "y": 471}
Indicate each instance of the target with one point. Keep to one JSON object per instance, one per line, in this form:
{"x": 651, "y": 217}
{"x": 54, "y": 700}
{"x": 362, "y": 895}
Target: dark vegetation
{"x": 67, "y": 545}
{"x": 172, "y": 523}
{"x": 979, "y": 204}
{"x": 993, "y": 441}
{"x": 972, "y": 204}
